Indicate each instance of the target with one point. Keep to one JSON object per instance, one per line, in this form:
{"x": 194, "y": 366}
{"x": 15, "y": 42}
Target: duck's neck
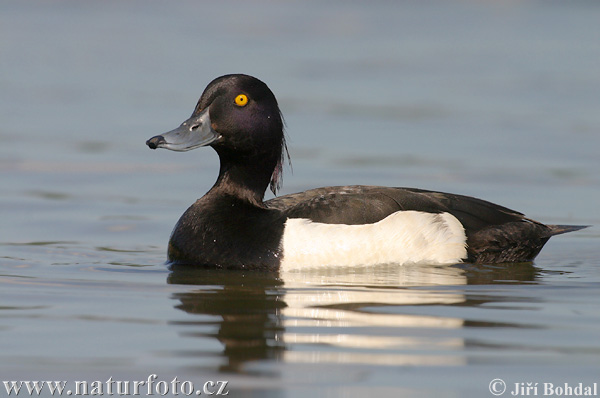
{"x": 247, "y": 180}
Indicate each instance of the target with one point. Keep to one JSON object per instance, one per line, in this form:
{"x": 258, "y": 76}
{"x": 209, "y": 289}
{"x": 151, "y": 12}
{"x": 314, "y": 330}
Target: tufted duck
{"x": 232, "y": 227}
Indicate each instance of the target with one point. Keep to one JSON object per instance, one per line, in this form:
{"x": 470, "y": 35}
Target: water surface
{"x": 497, "y": 101}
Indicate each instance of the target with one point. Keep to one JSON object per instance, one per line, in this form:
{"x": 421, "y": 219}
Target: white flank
{"x": 403, "y": 237}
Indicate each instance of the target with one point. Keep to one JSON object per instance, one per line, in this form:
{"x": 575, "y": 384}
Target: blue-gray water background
{"x": 499, "y": 100}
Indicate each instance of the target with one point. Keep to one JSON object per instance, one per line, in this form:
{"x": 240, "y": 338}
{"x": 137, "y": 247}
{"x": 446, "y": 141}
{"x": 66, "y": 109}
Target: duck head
{"x": 238, "y": 116}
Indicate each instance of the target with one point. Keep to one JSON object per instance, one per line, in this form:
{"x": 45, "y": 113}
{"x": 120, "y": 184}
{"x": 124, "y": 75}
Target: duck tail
{"x": 563, "y": 229}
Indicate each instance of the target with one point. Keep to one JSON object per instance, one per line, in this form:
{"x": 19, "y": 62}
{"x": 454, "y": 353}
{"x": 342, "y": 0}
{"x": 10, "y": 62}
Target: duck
{"x": 233, "y": 227}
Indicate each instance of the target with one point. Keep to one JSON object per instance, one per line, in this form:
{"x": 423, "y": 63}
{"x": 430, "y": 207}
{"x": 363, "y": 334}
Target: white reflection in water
{"x": 323, "y": 302}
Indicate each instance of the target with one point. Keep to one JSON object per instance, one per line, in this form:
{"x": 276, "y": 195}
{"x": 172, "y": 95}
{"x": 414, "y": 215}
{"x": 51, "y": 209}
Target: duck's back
{"x": 360, "y": 204}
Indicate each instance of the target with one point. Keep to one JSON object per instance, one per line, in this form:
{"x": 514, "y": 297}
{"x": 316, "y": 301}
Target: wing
{"x": 368, "y": 204}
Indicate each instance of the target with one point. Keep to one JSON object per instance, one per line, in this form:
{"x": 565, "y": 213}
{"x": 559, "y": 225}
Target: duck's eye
{"x": 241, "y": 100}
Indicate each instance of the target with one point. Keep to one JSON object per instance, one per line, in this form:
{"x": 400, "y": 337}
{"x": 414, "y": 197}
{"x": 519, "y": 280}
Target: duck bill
{"x": 193, "y": 133}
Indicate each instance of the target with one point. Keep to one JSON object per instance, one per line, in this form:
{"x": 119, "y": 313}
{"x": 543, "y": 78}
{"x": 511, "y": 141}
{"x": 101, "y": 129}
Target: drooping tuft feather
{"x": 277, "y": 176}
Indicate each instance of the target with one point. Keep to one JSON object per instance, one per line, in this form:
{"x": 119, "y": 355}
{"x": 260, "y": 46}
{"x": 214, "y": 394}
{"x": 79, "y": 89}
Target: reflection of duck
{"x": 231, "y": 226}
{"x": 248, "y": 305}
{"x": 364, "y": 315}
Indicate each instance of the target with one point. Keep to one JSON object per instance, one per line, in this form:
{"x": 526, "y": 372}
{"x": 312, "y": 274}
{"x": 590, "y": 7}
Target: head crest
{"x": 277, "y": 176}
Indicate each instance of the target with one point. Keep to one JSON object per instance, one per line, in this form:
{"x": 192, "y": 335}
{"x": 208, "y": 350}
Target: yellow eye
{"x": 241, "y": 100}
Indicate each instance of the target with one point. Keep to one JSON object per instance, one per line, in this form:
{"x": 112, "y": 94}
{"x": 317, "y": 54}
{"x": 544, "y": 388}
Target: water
{"x": 498, "y": 101}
